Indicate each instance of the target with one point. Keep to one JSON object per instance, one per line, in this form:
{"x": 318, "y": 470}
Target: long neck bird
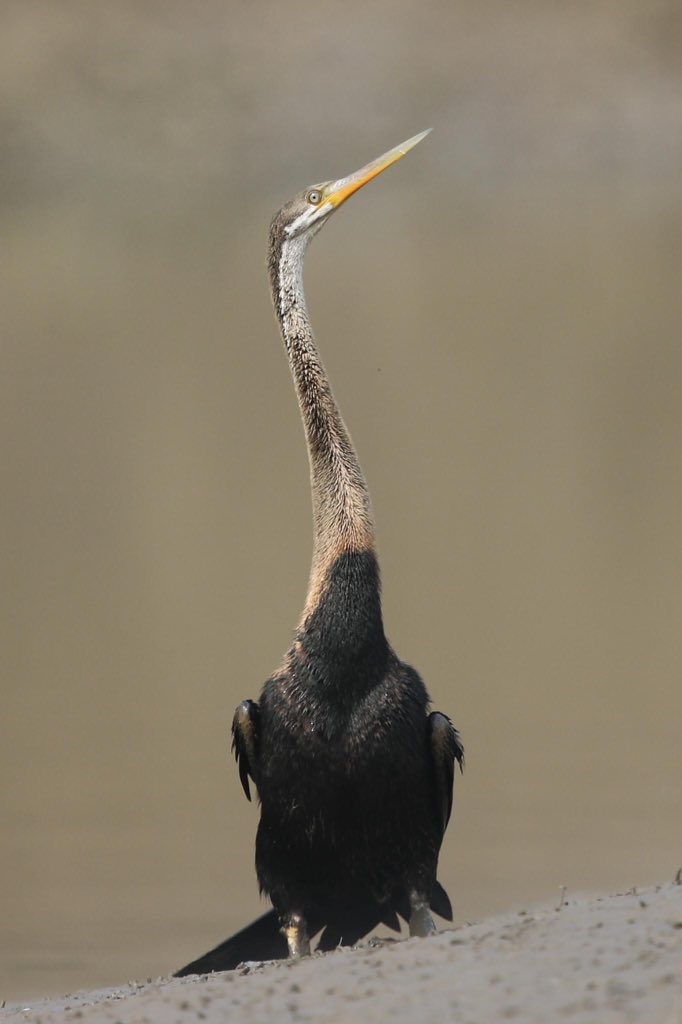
{"x": 353, "y": 772}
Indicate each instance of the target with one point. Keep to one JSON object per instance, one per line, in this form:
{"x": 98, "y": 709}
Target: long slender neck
{"x": 342, "y": 512}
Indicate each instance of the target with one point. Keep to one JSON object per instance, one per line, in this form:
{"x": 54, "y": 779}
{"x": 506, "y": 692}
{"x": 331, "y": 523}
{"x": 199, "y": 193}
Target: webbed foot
{"x": 295, "y": 931}
{"x": 421, "y": 922}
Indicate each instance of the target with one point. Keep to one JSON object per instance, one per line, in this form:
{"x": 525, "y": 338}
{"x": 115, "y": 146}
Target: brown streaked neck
{"x": 342, "y": 511}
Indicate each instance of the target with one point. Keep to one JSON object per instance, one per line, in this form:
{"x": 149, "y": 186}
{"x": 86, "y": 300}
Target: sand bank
{"x": 596, "y": 959}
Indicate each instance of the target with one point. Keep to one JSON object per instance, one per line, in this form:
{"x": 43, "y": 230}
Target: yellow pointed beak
{"x": 345, "y": 187}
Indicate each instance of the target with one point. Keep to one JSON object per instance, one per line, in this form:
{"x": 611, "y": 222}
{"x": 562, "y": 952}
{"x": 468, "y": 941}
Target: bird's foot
{"x": 421, "y": 922}
{"x": 295, "y": 931}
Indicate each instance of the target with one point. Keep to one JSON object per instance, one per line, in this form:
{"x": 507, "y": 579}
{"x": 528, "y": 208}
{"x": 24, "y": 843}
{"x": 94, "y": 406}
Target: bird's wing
{"x": 445, "y": 747}
{"x": 245, "y": 736}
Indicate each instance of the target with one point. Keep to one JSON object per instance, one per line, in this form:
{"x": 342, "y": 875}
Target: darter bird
{"x": 354, "y": 774}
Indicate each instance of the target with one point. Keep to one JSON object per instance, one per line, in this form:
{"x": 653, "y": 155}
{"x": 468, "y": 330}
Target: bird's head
{"x": 303, "y": 216}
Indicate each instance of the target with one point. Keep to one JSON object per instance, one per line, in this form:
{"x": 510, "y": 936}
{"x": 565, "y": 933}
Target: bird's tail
{"x": 260, "y": 940}
{"x": 263, "y": 940}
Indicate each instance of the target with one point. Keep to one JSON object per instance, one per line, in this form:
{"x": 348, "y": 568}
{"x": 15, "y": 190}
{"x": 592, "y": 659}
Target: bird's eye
{"x": 314, "y": 196}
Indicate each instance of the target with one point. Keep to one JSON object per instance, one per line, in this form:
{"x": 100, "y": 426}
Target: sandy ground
{"x": 596, "y": 959}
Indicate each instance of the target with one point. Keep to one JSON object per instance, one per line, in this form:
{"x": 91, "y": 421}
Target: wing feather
{"x": 245, "y": 737}
{"x": 446, "y": 749}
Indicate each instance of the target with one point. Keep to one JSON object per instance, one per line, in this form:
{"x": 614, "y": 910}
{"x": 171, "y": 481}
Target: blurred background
{"x": 500, "y": 318}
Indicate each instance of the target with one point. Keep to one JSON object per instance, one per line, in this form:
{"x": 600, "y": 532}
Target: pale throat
{"x": 342, "y": 511}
